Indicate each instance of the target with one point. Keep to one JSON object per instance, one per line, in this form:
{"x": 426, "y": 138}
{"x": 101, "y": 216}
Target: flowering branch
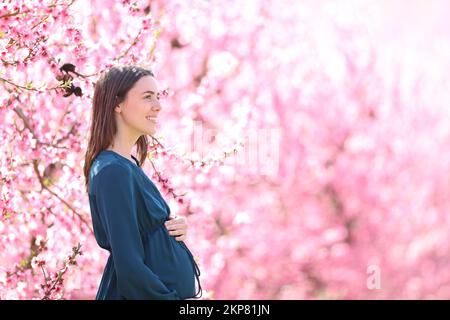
{"x": 54, "y": 285}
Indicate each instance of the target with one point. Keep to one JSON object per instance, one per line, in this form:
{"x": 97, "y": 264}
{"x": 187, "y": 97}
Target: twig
{"x": 43, "y": 186}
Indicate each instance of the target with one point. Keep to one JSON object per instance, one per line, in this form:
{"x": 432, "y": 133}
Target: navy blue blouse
{"x": 128, "y": 215}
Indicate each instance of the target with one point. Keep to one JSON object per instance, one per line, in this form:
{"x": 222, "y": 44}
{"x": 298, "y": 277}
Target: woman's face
{"x": 141, "y": 107}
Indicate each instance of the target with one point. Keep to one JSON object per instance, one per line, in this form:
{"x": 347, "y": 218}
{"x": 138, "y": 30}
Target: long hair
{"x": 111, "y": 89}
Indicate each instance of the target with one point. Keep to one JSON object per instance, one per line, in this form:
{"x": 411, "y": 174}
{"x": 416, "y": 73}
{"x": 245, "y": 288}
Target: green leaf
{"x": 24, "y": 263}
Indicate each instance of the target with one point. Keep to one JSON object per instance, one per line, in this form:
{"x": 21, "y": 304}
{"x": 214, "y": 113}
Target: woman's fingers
{"x": 177, "y": 232}
{"x": 177, "y": 227}
{"x": 181, "y": 238}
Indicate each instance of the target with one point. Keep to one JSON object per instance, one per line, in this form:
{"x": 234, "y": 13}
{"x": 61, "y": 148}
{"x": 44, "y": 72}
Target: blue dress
{"x": 128, "y": 215}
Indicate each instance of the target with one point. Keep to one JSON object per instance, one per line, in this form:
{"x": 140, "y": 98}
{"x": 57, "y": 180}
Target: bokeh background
{"x": 306, "y": 142}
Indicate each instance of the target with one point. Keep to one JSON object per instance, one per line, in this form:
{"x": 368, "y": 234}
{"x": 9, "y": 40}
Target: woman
{"x": 128, "y": 212}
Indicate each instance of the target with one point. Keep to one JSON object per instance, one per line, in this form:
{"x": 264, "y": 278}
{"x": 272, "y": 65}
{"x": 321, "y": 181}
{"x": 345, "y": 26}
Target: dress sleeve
{"x": 117, "y": 207}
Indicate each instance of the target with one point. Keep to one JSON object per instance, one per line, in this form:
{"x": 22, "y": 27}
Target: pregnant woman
{"x": 129, "y": 215}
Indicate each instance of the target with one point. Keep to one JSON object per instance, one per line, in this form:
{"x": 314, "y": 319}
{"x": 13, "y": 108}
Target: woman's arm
{"x": 116, "y": 203}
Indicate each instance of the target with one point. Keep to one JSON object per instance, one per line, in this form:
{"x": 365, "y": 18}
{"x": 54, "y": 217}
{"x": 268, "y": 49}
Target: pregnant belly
{"x": 170, "y": 261}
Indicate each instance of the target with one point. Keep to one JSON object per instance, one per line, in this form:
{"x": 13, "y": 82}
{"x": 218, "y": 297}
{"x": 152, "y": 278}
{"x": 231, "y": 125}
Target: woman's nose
{"x": 156, "y": 107}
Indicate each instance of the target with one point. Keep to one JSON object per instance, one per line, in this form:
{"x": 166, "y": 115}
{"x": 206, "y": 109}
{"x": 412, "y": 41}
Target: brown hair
{"x": 111, "y": 89}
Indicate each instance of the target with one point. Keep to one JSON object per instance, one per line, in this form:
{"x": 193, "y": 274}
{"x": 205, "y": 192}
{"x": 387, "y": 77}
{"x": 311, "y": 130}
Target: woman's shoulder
{"x": 105, "y": 168}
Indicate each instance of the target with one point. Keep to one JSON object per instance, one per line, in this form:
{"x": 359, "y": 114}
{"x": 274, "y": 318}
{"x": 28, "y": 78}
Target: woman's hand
{"x": 177, "y": 226}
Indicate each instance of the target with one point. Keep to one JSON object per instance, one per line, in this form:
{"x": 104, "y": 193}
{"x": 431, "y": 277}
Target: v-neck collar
{"x": 122, "y": 157}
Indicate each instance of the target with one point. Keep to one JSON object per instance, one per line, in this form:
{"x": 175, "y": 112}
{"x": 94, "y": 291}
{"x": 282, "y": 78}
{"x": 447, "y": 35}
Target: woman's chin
{"x": 150, "y": 129}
